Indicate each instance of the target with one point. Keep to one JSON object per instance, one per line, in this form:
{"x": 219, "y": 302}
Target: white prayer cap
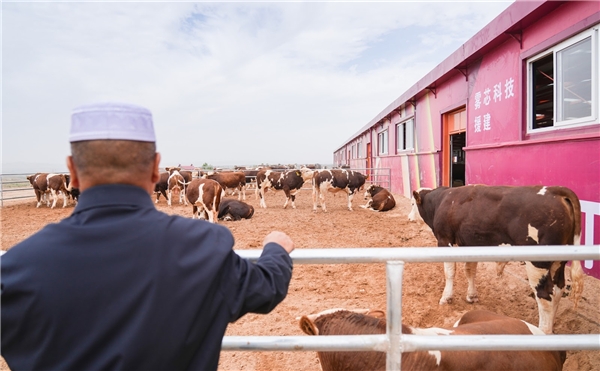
{"x": 111, "y": 121}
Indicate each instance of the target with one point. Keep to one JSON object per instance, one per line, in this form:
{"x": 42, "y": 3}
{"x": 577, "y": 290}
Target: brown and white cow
{"x": 205, "y": 196}
{"x": 334, "y": 181}
{"x": 290, "y": 182}
{"x": 231, "y": 209}
{"x": 379, "y": 199}
{"x": 479, "y": 215}
{"x": 45, "y": 184}
{"x": 175, "y": 185}
{"x": 234, "y": 180}
{"x": 476, "y": 322}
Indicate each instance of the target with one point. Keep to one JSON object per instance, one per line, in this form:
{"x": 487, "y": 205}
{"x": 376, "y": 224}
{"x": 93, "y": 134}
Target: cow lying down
{"x": 378, "y": 199}
{"x": 476, "y": 322}
{"x": 231, "y": 209}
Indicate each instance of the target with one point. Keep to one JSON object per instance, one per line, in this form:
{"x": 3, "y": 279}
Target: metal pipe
{"x": 437, "y": 254}
{"x": 394, "y": 271}
{"x": 412, "y": 343}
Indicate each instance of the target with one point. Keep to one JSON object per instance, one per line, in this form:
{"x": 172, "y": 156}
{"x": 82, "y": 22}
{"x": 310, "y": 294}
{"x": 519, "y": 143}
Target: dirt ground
{"x": 318, "y": 287}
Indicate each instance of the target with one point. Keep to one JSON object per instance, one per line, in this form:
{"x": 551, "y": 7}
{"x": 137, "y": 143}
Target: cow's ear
{"x": 308, "y": 326}
{"x": 417, "y": 197}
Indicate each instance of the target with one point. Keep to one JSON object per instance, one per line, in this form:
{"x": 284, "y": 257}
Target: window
{"x": 359, "y": 149}
{"x": 563, "y": 84}
{"x": 405, "y": 136}
{"x": 382, "y": 142}
{"x": 354, "y": 151}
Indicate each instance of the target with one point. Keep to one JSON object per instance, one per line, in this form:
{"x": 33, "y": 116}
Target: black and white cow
{"x": 290, "y": 182}
{"x": 336, "y": 180}
{"x": 479, "y": 215}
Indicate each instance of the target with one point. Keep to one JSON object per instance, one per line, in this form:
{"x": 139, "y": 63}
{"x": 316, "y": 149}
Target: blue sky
{"x": 228, "y": 83}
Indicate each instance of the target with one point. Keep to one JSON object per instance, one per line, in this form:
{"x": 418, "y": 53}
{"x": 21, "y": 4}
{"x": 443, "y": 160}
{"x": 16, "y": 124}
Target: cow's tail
{"x": 577, "y": 275}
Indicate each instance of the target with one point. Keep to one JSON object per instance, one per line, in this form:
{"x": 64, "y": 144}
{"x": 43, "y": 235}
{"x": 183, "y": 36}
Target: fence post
{"x": 394, "y": 271}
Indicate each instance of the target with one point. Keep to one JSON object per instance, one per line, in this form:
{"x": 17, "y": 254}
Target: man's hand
{"x": 280, "y": 238}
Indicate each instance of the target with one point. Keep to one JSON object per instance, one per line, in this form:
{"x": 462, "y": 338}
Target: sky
{"x": 229, "y": 83}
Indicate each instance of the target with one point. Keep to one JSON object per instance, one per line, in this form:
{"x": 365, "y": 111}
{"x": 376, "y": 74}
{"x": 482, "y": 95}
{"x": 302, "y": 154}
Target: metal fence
{"x": 15, "y": 186}
{"x": 393, "y": 342}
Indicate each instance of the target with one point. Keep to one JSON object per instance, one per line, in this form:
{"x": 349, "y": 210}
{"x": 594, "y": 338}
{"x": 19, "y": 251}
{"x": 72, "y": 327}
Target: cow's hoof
{"x": 472, "y": 299}
{"x": 445, "y": 301}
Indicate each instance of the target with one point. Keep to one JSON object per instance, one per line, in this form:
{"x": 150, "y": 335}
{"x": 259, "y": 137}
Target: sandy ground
{"x": 318, "y": 287}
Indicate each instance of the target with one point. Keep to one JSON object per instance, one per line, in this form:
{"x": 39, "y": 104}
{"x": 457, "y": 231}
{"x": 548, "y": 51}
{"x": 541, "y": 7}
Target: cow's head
{"x": 306, "y": 173}
{"x": 415, "y": 201}
{"x": 307, "y": 322}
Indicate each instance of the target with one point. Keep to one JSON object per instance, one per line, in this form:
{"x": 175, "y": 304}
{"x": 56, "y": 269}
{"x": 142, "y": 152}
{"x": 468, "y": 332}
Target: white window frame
{"x": 383, "y": 142}
{"x": 401, "y": 146}
{"x": 560, "y": 124}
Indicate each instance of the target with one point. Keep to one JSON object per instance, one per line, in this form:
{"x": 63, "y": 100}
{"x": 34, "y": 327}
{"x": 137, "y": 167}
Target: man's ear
{"x": 155, "y": 171}
{"x": 74, "y": 182}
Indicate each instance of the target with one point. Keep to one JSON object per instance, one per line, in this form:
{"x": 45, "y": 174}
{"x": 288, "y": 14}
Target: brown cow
{"x": 348, "y": 181}
{"x": 290, "y": 181}
{"x": 230, "y": 209}
{"x": 235, "y": 180}
{"x": 162, "y": 186}
{"x": 380, "y": 199}
{"x": 45, "y": 184}
{"x": 479, "y": 215}
{"x": 476, "y": 322}
{"x": 175, "y": 185}
{"x": 205, "y": 196}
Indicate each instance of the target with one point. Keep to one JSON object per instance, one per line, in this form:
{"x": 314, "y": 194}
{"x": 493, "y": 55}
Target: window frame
{"x": 591, "y": 33}
{"x": 407, "y": 126}
{"x": 383, "y": 142}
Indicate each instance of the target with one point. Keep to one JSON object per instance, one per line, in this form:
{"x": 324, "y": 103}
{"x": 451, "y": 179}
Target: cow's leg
{"x": 450, "y": 272}
{"x": 169, "y": 198}
{"x": 350, "y": 196}
{"x": 315, "y": 197}
{"x": 543, "y": 282}
{"x": 64, "y": 195}
{"x": 54, "y": 198}
{"x": 470, "y": 272}
{"x": 194, "y": 211}
{"x": 244, "y": 192}
{"x": 38, "y": 196}
{"x": 261, "y": 193}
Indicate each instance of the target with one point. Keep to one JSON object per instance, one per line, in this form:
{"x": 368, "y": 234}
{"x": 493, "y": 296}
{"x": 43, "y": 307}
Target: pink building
{"x": 517, "y": 104}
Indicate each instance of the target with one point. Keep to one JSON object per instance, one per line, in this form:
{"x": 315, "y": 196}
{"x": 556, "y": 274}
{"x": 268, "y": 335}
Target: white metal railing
{"x": 393, "y": 342}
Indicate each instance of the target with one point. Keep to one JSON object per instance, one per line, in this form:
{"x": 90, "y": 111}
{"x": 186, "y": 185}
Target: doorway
{"x": 453, "y": 154}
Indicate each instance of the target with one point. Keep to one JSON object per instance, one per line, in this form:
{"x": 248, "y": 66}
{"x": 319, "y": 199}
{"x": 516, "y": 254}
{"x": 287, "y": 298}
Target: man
{"x": 119, "y": 285}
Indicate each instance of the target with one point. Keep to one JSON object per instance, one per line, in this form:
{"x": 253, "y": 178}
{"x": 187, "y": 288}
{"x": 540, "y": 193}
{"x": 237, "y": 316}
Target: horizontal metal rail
{"x": 437, "y": 254}
{"x": 411, "y": 343}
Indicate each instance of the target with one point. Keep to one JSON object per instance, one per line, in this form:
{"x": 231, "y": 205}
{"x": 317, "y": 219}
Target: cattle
{"x": 334, "y": 181}
{"x": 162, "y": 186}
{"x": 379, "y": 199}
{"x": 235, "y": 180}
{"x": 479, "y": 215}
{"x": 175, "y": 185}
{"x": 230, "y": 209}
{"x": 290, "y": 181}
{"x": 49, "y": 183}
{"x": 71, "y": 191}
{"x": 205, "y": 196}
{"x": 251, "y": 180}
{"x": 476, "y": 322}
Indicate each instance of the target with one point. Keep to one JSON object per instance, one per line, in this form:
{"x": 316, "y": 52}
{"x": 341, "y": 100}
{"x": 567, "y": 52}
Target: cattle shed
{"x": 517, "y": 104}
